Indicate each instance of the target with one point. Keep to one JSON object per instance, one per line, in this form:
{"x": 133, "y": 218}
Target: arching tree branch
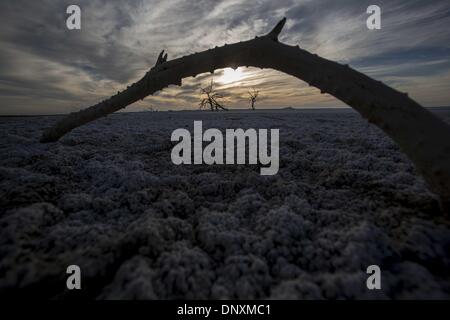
{"x": 420, "y": 134}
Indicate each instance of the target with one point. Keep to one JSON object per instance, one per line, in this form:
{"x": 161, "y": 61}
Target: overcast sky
{"x": 45, "y": 68}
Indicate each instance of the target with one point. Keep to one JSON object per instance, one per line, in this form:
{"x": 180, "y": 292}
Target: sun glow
{"x": 230, "y": 76}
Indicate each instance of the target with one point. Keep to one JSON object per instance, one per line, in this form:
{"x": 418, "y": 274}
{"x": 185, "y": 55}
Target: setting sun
{"x": 230, "y": 76}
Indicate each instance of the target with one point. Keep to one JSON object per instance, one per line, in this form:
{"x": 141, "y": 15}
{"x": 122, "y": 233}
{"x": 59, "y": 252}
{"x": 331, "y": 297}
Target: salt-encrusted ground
{"x": 108, "y": 198}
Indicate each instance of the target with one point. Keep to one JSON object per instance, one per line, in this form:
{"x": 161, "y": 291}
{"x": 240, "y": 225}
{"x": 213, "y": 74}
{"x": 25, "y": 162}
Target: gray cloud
{"x": 48, "y": 69}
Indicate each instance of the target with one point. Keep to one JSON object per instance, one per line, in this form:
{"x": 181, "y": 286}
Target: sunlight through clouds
{"x": 119, "y": 43}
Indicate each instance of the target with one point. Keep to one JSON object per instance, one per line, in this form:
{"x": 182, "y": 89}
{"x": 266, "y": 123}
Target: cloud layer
{"x": 49, "y": 69}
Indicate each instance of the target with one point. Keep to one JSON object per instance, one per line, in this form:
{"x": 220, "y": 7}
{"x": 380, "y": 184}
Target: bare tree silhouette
{"x": 253, "y": 95}
{"x": 211, "y": 98}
